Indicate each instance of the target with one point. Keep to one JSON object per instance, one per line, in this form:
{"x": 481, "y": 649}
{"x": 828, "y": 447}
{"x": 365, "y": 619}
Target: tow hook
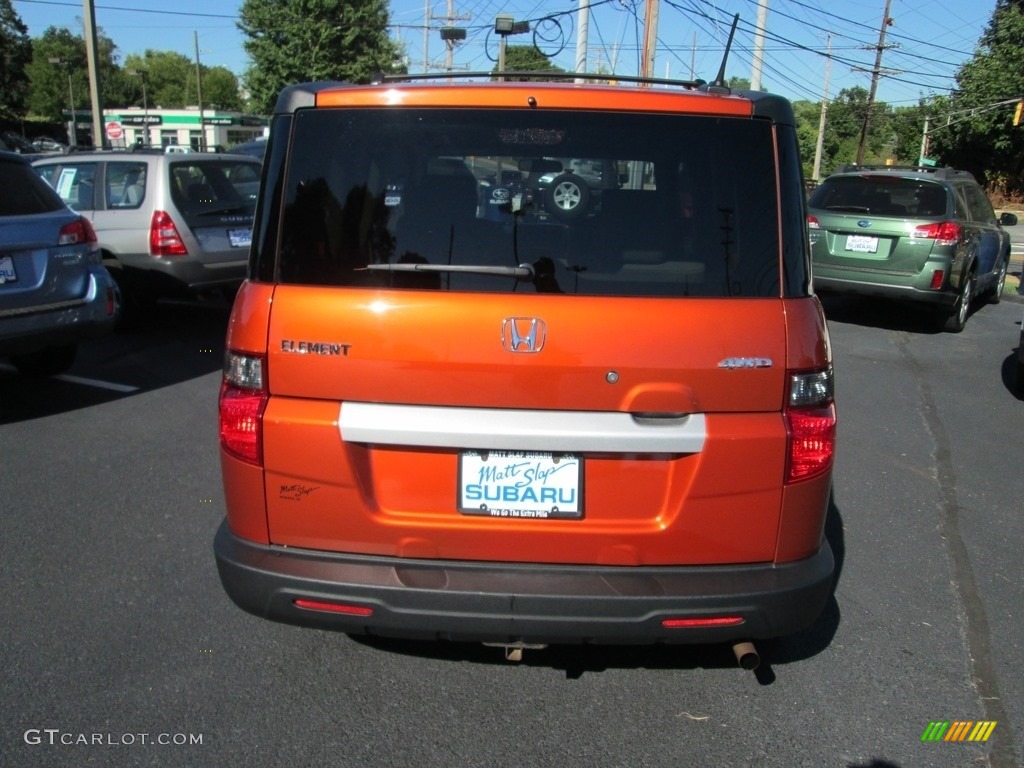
{"x": 514, "y": 651}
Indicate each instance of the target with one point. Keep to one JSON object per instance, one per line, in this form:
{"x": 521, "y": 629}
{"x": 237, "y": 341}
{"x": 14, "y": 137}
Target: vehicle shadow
{"x": 174, "y": 342}
{"x": 1008, "y": 372}
{"x": 885, "y": 314}
{"x": 577, "y": 660}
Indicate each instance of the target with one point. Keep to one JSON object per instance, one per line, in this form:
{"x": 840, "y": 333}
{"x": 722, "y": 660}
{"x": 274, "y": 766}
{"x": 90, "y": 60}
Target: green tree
{"x": 220, "y": 89}
{"x": 170, "y": 81}
{"x": 15, "y": 55}
{"x": 295, "y": 41}
{"x": 526, "y": 58}
{"x": 980, "y": 136}
{"x": 58, "y": 53}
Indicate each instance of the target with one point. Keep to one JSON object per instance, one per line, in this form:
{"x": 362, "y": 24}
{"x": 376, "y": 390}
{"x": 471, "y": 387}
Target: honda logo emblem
{"x": 523, "y": 334}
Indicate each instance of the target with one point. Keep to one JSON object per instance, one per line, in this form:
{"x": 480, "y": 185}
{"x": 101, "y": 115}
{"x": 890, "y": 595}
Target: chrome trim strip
{"x": 519, "y": 430}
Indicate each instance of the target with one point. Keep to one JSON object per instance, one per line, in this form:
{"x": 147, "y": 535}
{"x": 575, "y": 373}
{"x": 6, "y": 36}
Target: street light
{"x": 145, "y": 102}
{"x": 505, "y": 25}
{"x": 73, "y": 135}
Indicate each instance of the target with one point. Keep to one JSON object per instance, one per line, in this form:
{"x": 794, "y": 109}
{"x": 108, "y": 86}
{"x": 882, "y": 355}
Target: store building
{"x": 182, "y": 127}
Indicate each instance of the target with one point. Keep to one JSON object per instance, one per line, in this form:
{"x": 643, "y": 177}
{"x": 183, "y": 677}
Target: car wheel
{"x": 567, "y": 197}
{"x": 46, "y": 362}
{"x": 997, "y": 291}
{"x": 957, "y": 320}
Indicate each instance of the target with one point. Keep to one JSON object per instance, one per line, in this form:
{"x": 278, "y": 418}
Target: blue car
{"x": 54, "y": 290}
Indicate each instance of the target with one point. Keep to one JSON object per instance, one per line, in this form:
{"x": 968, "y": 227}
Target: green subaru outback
{"x": 917, "y": 234}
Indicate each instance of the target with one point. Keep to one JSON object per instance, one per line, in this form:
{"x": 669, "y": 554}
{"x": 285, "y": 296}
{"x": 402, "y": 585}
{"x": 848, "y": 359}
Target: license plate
{"x": 240, "y": 238}
{"x": 862, "y": 244}
{"x": 521, "y": 484}
{"x": 7, "y": 272}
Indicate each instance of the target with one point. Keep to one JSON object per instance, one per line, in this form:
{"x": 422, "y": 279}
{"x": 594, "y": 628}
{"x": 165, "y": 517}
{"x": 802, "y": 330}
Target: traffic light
{"x": 1017, "y": 114}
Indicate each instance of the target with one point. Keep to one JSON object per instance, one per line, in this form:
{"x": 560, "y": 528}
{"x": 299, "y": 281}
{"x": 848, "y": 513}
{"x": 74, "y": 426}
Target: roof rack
{"x": 939, "y": 173}
{"x": 541, "y": 75}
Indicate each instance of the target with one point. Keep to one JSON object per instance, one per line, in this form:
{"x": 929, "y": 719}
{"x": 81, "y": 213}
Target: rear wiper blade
{"x": 520, "y": 272}
{"x": 207, "y": 211}
{"x": 848, "y": 208}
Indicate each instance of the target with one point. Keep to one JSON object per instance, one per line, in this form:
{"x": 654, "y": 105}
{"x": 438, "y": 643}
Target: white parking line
{"x": 96, "y": 383}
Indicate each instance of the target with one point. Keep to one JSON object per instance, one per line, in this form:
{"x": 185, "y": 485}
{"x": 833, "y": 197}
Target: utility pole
{"x": 99, "y": 137}
{"x": 875, "y": 74}
{"x": 451, "y": 34}
{"x": 582, "y": 33}
{"x": 824, "y": 109}
{"x": 762, "y": 21}
{"x": 650, "y": 39}
{"x": 199, "y": 96}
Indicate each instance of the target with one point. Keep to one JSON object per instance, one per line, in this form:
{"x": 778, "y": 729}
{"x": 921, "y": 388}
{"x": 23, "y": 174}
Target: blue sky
{"x": 926, "y": 42}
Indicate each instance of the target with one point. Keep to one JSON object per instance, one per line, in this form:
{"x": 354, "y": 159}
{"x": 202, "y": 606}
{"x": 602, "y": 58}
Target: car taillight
{"x": 164, "y": 239}
{"x": 243, "y": 398}
{"x": 942, "y": 232}
{"x": 77, "y": 231}
{"x": 811, "y": 423}
{"x": 813, "y": 223}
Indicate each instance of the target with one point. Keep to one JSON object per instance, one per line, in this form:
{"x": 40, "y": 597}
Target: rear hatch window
{"x": 505, "y": 201}
{"x": 881, "y": 196}
{"x": 217, "y": 199}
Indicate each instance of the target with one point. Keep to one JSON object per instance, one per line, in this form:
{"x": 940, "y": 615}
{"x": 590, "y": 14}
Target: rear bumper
{"x": 862, "y": 286}
{"x": 509, "y": 602}
{"x": 35, "y": 328}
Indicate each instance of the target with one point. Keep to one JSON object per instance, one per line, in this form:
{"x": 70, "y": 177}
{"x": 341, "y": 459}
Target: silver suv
{"x": 167, "y": 224}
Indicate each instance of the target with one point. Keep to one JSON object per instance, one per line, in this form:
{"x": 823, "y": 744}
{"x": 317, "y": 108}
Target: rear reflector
{"x": 711, "y": 621}
{"x": 322, "y": 605}
{"x": 938, "y": 278}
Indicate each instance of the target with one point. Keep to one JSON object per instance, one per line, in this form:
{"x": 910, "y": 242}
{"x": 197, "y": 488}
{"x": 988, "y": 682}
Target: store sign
{"x": 142, "y": 120}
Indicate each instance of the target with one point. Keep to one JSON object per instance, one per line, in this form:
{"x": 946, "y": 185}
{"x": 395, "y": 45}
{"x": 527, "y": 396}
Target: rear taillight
{"x": 942, "y": 232}
{"x": 811, "y": 423}
{"x": 812, "y": 222}
{"x": 164, "y": 239}
{"x": 77, "y": 231}
{"x": 243, "y": 398}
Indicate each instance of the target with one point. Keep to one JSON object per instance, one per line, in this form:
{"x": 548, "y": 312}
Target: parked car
{"x": 448, "y": 420}
{"x": 46, "y": 144}
{"x": 54, "y": 291}
{"x": 167, "y": 223}
{"x": 927, "y": 235}
{"x": 254, "y": 148}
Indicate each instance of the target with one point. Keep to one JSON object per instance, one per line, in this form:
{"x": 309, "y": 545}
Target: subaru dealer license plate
{"x": 240, "y": 238}
{"x": 521, "y": 484}
{"x": 861, "y": 244}
{"x": 7, "y": 273}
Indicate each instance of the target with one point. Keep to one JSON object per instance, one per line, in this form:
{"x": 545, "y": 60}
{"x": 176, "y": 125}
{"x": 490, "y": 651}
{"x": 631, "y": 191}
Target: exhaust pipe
{"x": 746, "y": 655}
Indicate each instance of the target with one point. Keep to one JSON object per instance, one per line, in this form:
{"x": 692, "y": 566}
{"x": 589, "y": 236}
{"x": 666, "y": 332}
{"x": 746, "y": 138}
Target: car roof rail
{"x": 535, "y": 75}
{"x": 939, "y": 173}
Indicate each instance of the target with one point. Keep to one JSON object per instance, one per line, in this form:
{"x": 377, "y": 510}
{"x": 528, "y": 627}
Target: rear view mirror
{"x": 1008, "y": 219}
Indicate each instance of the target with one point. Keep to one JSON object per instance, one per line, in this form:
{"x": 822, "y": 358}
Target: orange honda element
{"x": 528, "y": 363}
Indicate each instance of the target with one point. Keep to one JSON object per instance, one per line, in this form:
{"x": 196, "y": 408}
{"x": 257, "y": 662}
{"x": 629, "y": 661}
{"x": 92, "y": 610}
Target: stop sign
{"x": 115, "y": 131}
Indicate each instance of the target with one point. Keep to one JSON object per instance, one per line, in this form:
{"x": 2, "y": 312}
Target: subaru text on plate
{"x": 450, "y": 414}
